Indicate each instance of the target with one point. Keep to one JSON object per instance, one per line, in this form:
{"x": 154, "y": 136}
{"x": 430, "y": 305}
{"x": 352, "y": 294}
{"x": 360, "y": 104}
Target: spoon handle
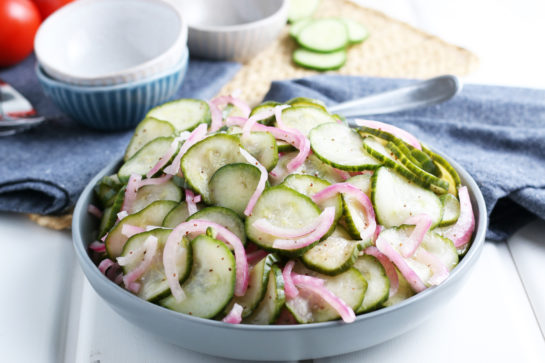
{"x": 418, "y": 94}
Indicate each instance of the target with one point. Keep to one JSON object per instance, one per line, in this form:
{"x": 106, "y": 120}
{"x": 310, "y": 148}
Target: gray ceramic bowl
{"x": 280, "y": 342}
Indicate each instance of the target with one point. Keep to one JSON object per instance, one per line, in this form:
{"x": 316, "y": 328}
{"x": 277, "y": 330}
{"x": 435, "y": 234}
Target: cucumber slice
{"x": 309, "y": 185}
{"x": 257, "y": 287}
{"x": 211, "y": 283}
{"x": 319, "y": 61}
{"x": 142, "y": 162}
{"x": 284, "y": 147}
{"x": 395, "y": 199}
{"x": 204, "y": 158}
{"x": 233, "y": 185}
{"x": 378, "y": 284}
{"x": 269, "y": 308}
{"x": 362, "y": 182}
{"x": 334, "y": 255}
{"x": 440, "y": 247}
{"x": 349, "y": 286}
{"x": 296, "y": 27}
{"x": 438, "y": 185}
{"x": 106, "y": 190}
{"x": 404, "y": 291}
{"x": 306, "y": 102}
{"x": 153, "y": 282}
{"x": 323, "y": 35}
{"x": 152, "y": 215}
{"x": 148, "y": 129}
{"x": 451, "y": 209}
{"x": 109, "y": 217}
{"x": 357, "y": 33}
{"x": 176, "y": 216}
{"x": 151, "y": 193}
{"x": 184, "y": 114}
{"x": 312, "y": 166}
{"x": 419, "y": 158}
{"x": 299, "y": 9}
{"x": 265, "y": 106}
{"x": 283, "y": 207}
{"x": 262, "y": 146}
{"x": 354, "y": 218}
{"x": 341, "y": 147}
{"x": 225, "y": 217}
{"x": 448, "y": 173}
{"x": 305, "y": 118}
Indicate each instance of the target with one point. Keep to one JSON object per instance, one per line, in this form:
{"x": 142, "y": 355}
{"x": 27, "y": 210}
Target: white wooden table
{"x": 49, "y": 312}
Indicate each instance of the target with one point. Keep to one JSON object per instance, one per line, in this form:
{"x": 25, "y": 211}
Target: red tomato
{"x": 47, "y": 7}
{"x": 19, "y": 21}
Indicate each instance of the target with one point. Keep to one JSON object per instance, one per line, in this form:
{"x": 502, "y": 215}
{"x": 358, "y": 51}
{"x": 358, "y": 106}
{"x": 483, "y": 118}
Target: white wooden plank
{"x": 490, "y": 320}
{"x": 35, "y": 278}
{"x": 527, "y": 247}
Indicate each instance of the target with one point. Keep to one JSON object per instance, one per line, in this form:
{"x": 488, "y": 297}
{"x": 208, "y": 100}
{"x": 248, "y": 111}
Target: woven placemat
{"x": 394, "y": 49}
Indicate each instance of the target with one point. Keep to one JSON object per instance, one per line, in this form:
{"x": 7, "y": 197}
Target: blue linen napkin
{"x": 496, "y": 133}
{"x": 45, "y": 169}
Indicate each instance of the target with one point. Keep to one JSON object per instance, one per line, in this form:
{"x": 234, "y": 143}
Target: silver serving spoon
{"x": 419, "y": 94}
{"x": 25, "y": 116}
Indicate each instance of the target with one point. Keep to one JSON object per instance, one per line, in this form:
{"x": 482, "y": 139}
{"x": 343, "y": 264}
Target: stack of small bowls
{"x": 105, "y": 63}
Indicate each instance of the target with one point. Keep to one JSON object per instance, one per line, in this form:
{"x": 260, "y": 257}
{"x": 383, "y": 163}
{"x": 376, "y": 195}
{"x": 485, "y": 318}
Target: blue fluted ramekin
{"x": 114, "y": 107}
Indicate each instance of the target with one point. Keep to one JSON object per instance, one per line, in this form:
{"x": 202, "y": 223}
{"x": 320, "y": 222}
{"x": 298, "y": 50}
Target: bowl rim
{"x": 64, "y": 11}
{"x": 130, "y": 300}
{"x": 283, "y": 9}
{"x": 179, "y": 66}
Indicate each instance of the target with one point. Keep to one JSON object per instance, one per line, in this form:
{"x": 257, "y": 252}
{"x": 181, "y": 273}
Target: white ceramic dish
{"x": 275, "y": 342}
{"x": 109, "y": 42}
{"x": 233, "y": 29}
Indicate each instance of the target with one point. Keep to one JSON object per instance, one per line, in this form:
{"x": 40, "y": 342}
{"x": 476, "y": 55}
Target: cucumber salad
{"x": 280, "y": 214}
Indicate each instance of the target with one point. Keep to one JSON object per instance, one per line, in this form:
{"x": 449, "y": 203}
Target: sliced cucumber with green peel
{"x": 151, "y": 193}
{"x": 257, "y": 286}
{"x": 106, "y": 190}
{"x": 362, "y": 182}
{"x": 355, "y": 218}
{"x": 448, "y": 173}
{"x": 451, "y": 209}
{"x": 153, "y": 282}
{"x": 404, "y": 291}
{"x": 299, "y": 9}
{"x": 204, "y": 158}
{"x": 378, "y": 284}
{"x": 233, "y": 185}
{"x": 211, "y": 284}
{"x": 339, "y": 146}
{"x": 109, "y": 217}
{"x": 395, "y": 199}
{"x": 438, "y": 185}
{"x": 319, "y": 61}
{"x": 284, "y": 147}
{"x": 312, "y": 166}
{"x": 309, "y": 185}
{"x": 269, "y": 308}
{"x": 282, "y": 207}
{"x": 333, "y": 255}
{"x": 349, "y": 286}
{"x": 152, "y": 215}
{"x": 225, "y": 217}
{"x": 419, "y": 158}
{"x": 176, "y": 216}
{"x": 323, "y": 35}
{"x": 262, "y": 146}
{"x": 184, "y": 114}
{"x": 296, "y": 26}
{"x": 357, "y": 33}
{"x": 265, "y": 106}
{"x": 145, "y": 159}
{"x": 305, "y": 118}
{"x": 147, "y": 130}
{"x": 441, "y": 248}
{"x": 306, "y": 102}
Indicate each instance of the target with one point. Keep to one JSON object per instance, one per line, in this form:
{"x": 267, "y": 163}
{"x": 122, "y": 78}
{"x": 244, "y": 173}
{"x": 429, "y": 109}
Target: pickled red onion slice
{"x": 439, "y": 270}
{"x": 260, "y": 185}
{"x": 195, "y": 136}
{"x": 265, "y": 226}
{"x": 396, "y": 131}
{"x": 330, "y": 191}
{"x": 191, "y": 201}
{"x": 460, "y": 233}
{"x": 289, "y": 287}
{"x": 327, "y": 218}
{"x": 129, "y": 230}
{"x": 149, "y": 250}
{"x": 234, "y": 316}
{"x": 94, "y": 210}
{"x": 388, "y": 267}
{"x": 130, "y": 193}
{"x": 422, "y": 224}
{"x": 97, "y": 246}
